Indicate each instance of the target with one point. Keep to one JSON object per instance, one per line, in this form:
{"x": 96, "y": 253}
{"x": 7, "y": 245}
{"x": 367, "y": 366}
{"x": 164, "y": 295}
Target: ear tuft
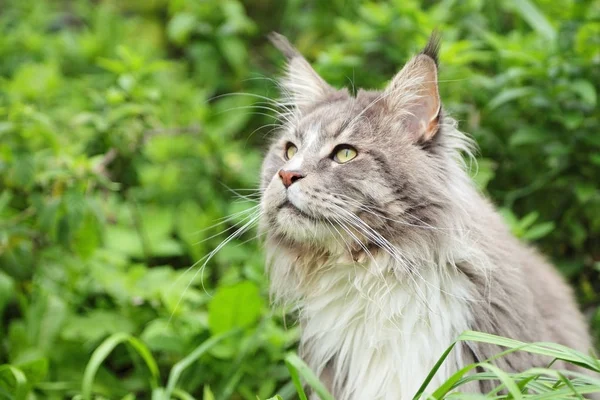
{"x": 302, "y": 86}
{"x": 432, "y": 49}
{"x": 283, "y": 45}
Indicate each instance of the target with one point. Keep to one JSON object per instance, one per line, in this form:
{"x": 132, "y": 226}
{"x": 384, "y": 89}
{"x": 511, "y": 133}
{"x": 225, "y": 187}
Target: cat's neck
{"x": 374, "y": 333}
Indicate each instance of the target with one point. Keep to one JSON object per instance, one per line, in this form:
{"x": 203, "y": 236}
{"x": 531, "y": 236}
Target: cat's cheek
{"x": 274, "y": 195}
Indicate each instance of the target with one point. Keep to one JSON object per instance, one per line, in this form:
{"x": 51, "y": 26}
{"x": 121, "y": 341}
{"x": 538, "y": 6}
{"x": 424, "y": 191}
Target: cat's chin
{"x": 297, "y": 226}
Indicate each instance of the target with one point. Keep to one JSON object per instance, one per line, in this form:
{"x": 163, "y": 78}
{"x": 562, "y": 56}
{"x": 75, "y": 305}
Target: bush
{"x": 126, "y": 128}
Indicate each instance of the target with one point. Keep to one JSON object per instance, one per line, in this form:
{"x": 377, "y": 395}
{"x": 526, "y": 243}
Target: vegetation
{"x": 127, "y": 126}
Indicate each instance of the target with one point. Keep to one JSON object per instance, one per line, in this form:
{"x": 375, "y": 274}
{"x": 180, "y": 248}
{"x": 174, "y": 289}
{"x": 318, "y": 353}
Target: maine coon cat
{"x": 377, "y": 236}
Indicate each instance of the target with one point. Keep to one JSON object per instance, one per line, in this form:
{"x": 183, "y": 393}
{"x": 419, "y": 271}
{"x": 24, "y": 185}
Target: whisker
{"x": 224, "y": 231}
{"x": 392, "y": 250}
{"x": 209, "y": 256}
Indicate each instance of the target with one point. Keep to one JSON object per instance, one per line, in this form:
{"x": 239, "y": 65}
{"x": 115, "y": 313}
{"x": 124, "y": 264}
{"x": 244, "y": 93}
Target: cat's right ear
{"x": 301, "y": 84}
{"x": 413, "y": 93}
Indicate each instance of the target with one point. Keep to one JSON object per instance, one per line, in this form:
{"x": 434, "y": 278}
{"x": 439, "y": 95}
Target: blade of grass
{"x": 570, "y": 385}
{"x": 466, "y": 396}
{"x": 103, "y": 351}
{"x": 178, "y": 368}
{"x": 287, "y": 391}
{"x": 505, "y": 379}
{"x": 296, "y": 381}
{"x": 20, "y": 380}
{"x": 433, "y": 371}
{"x": 515, "y": 391}
{"x": 451, "y": 383}
{"x": 552, "y": 350}
{"x": 585, "y": 384}
{"x": 183, "y": 395}
{"x": 296, "y": 365}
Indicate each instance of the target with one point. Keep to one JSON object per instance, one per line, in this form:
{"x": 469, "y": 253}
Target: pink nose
{"x": 289, "y": 177}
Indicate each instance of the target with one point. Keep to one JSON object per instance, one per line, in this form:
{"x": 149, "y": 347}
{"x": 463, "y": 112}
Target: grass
{"x": 534, "y": 383}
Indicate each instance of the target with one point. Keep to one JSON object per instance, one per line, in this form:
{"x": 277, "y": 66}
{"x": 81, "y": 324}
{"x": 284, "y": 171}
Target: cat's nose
{"x": 289, "y": 177}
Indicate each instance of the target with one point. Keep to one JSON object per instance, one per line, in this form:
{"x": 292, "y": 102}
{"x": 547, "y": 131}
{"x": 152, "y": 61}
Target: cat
{"x": 378, "y": 238}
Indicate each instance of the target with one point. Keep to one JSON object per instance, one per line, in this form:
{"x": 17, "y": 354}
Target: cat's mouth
{"x": 290, "y": 207}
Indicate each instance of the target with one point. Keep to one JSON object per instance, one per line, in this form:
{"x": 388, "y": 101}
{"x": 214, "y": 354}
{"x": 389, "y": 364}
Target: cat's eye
{"x": 290, "y": 150}
{"x": 344, "y": 153}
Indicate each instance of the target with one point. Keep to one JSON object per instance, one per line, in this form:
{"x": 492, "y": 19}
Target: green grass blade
{"x": 505, "y": 379}
{"x": 466, "y": 396}
{"x": 297, "y": 366}
{"x": 570, "y": 385}
{"x": 516, "y": 384}
{"x": 451, "y": 383}
{"x": 287, "y": 392}
{"x": 552, "y": 350}
{"x": 178, "y": 368}
{"x": 433, "y": 371}
{"x": 20, "y": 380}
{"x": 296, "y": 380}
{"x": 104, "y": 350}
{"x": 183, "y": 395}
{"x": 574, "y": 383}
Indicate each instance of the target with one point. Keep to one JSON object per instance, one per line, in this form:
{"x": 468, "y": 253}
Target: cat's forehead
{"x": 334, "y": 118}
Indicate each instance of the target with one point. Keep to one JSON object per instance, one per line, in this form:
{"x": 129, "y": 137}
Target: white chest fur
{"x": 383, "y": 333}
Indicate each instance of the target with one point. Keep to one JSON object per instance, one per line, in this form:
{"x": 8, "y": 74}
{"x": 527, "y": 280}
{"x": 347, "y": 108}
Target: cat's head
{"x": 350, "y": 171}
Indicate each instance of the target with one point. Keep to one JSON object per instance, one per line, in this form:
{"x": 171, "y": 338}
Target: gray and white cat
{"x": 378, "y": 237}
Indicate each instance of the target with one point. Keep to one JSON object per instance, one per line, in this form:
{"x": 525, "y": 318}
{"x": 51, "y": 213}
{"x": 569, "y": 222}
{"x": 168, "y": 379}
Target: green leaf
{"x": 237, "y": 306}
{"x": 234, "y": 52}
{"x": 484, "y": 172}
{"x": 536, "y": 20}
{"x": 538, "y": 231}
{"x": 6, "y": 290}
{"x": 86, "y": 238}
{"x": 160, "y": 335}
{"x": 181, "y": 27}
{"x": 35, "y": 370}
{"x": 586, "y": 91}
{"x": 508, "y": 95}
{"x": 34, "y": 81}
{"x": 5, "y": 199}
{"x": 585, "y": 191}
{"x": 527, "y": 135}
{"x": 208, "y": 394}
{"x": 528, "y": 220}
{"x": 95, "y": 325}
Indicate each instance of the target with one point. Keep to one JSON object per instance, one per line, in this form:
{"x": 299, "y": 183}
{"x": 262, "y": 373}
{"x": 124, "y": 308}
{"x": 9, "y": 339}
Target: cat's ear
{"x": 301, "y": 83}
{"x": 413, "y": 93}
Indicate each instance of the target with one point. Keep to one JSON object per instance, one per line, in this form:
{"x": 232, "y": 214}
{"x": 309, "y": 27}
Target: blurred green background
{"x": 126, "y": 127}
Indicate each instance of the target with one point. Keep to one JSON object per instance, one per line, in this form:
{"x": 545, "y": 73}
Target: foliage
{"x": 123, "y": 126}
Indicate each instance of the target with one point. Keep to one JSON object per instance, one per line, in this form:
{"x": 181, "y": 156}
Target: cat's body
{"x": 389, "y": 255}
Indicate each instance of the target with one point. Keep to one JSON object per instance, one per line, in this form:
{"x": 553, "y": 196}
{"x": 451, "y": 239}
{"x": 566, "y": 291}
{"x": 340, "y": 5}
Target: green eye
{"x": 344, "y": 153}
{"x": 290, "y": 151}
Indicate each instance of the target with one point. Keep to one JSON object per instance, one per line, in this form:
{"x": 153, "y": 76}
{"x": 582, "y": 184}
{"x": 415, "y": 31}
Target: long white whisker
{"x": 210, "y": 255}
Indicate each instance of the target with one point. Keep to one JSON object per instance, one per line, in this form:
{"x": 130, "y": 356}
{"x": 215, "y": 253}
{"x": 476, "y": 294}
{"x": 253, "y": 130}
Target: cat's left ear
{"x": 301, "y": 84}
{"x": 413, "y": 93}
